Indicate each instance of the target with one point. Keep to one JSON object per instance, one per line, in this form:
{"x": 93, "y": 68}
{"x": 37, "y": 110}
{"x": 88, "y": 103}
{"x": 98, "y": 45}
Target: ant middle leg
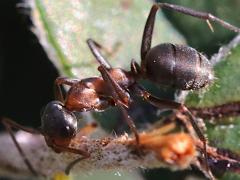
{"x": 9, "y": 124}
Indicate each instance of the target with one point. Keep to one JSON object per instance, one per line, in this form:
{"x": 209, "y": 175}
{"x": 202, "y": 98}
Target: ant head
{"x": 58, "y": 122}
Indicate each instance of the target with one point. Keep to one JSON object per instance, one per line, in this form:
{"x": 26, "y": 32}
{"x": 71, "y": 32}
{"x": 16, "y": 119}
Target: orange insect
{"x": 175, "y": 149}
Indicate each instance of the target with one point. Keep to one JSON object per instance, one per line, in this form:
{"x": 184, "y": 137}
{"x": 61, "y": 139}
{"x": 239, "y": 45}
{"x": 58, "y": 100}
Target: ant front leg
{"x": 121, "y": 98}
{"x": 9, "y": 124}
{"x": 72, "y": 164}
{"x": 94, "y": 47}
{"x": 166, "y": 104}
{"x": 84, "y": 154}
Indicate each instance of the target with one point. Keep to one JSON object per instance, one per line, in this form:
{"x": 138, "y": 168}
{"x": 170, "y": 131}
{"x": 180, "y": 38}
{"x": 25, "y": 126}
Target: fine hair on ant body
{"x": 178, "y": 66}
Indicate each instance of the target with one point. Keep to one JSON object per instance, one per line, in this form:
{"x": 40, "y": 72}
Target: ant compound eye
{"x": 58, "y": 122}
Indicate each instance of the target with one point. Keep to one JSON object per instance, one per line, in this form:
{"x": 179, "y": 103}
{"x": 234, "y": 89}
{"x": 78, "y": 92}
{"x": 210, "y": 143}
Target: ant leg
{"x": 94, "y": 47}
{"x": 72, "y": 164}
{"x": 9, "y": 124}
{"x": 119, "y": 94}
{"x": 147, "y": 35}
{"x": 57, "y": 86}
{"x": 130, "y": 122}
{"x": 160, "y": 103}
{"x": 121, "y": 98}
{"x": 62, "y": 148}
{"x": 198, "y": 14}
{"x": 135, "y": 68}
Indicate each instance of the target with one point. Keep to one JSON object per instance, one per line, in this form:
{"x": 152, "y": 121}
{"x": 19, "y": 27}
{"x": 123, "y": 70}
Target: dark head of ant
{"x": 58, "y": 123}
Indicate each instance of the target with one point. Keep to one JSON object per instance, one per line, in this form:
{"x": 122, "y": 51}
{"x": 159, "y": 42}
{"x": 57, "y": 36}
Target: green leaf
{"x": 226, "y": 86}
{"x": 117, "y": 25}
{"x": 230, "y": 176}
{"x": 225, "y": 132}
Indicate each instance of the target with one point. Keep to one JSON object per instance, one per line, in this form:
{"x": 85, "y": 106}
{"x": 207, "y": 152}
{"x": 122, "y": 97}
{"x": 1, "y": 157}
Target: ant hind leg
{"x": 160, "y": 103}
{"x": 198, "y": 14}
{"x": 121, "y": 99}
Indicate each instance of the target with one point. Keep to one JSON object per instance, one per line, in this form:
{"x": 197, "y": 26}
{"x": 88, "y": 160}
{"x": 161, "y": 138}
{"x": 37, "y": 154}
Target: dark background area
{"x": 26, "y": 74}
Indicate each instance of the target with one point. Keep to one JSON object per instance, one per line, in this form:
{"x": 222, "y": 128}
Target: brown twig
{"x": 224, "y": 110}
{"x": 221, "y": 159}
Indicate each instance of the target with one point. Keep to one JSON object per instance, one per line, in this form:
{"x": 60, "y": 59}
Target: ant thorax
{"x": 122, "y": 77}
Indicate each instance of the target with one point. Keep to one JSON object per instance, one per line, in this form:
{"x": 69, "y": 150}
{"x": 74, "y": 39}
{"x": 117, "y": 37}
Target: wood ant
{"x": 178, "y": 66}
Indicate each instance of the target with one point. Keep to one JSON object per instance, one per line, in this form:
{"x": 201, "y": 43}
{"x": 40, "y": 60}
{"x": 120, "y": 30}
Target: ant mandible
{"x": 179, "y": 66}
